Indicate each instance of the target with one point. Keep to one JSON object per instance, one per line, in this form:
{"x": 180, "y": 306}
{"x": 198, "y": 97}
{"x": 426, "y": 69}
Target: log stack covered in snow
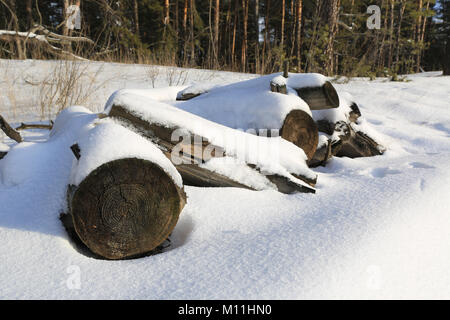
{"x": 131, "y": 161}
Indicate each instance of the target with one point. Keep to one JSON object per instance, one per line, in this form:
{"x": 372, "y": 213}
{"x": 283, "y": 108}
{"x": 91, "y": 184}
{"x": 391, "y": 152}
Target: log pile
{"x": 127, "y": 205}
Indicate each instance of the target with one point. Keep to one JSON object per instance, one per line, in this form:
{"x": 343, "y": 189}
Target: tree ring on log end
{"x": 300, "y": 129}
{"x": 126, "y": 208}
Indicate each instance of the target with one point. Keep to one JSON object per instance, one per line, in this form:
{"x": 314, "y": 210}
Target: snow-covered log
{"x": 125, "y": 197}
{"x": 319, "y": 97}
{"x": 192, "y": 162}
{"x": 211, "y": 147}
{"x": 313, "y": 88}
{"x": 256, "y": 105}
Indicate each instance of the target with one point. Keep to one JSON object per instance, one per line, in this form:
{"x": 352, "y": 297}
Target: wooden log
{"x": 183, "y": 96}
{"x": 3, "y": 154}
{"x": 300, "y": 129}
{"x": 347, "y": 143}
{"x": 319, "y": 98}
{"x": 355, "y": 113}
{"x": 191, "y": 173}
{"x": 25, "y": 126}
{"x": 125, "y": 208}
{"x": 9, "y": 131}
{"x": 279, "y": 88}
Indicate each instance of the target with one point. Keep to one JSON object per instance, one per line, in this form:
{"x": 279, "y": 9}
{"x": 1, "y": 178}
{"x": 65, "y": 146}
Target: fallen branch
{"x": 9, "y": 131}
{"x": 24, "y": 126}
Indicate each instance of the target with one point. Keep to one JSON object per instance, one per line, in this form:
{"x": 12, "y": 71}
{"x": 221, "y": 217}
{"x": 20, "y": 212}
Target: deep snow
{"x": 376, "y": 228}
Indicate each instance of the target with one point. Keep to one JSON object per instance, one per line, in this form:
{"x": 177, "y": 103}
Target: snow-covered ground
{"x": 376, "y": 228}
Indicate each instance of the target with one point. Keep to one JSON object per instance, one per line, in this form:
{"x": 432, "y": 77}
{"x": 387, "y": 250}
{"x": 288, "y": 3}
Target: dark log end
{"x": 274, "y": 87}
{"x": 319, "y": 98}
{"x": 126, "y": 208}
{"x": 300, "y": 129}
{"x": 331, "y": 94}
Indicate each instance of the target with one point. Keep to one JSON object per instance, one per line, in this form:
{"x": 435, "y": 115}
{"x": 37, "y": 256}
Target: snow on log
{"x": 206, "y": 141}
{"x": 255, "y": 105}
{"x": 125, "y": 196}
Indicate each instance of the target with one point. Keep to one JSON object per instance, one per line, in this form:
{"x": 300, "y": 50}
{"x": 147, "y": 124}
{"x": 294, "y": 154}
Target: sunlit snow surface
{"x": 376, "y": 228}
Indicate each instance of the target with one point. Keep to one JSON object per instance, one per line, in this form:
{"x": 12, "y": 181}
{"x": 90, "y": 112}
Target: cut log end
{"x": 300, "y": 129}
{"x": 125, "y": 208}
{"x": 319, "y": 98}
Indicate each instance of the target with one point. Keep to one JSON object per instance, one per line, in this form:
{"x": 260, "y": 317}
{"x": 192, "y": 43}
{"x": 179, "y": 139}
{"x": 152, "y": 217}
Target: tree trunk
{"x": 125, "y": 208}
{"x": 233, "y": 42}
{"x": 391, "y": 34}
{"x": 166, "y": 12}
{"x": 422, "y": 37}
{"x": 192, "y": 7}
{"x": 257, "y": 62}
{"x": 332, "y": 11}
{"x": 216, "y": 33}
{"x": 417, "y": 36}
{"x": 298, "y": 31}
{"x": 283, "y": 11}
{"x": 136, "y": 16}
{"x": 185, "y": 33}
{"x": 266, "y": 37}
{"x": 28, "y": 8}
{"x": 399, "y": 29}
{"x": 244, "y": 40}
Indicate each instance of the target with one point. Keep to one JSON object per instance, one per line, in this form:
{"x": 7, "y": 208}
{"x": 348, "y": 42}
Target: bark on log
{"x": 300, "y": 129}
{"x": 355, "y": 113}
{"x": 25, "y": 126}
{"x": 9, "y": 131}
{"x": 182, "y": 96}
{"x": 191, "y": 173}
{"x": 319, "y": 98}
{"x": 125, "y": 208}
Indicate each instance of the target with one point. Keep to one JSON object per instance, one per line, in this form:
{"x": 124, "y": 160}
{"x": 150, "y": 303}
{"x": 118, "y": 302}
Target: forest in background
{"x": 257, "y": 36}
